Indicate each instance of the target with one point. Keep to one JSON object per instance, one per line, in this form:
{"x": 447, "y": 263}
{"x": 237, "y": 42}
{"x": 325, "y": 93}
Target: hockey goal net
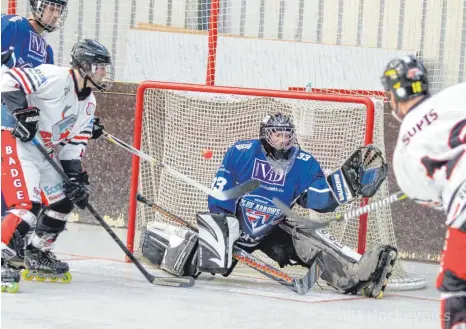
{"x": 175, "y": 122}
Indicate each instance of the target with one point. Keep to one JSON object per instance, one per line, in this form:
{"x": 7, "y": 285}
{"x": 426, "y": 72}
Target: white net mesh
{"x": 177, "y": 126}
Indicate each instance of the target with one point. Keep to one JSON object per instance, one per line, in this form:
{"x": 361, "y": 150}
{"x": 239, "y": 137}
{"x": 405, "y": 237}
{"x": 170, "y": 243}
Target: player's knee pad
{"x": 19, "y": 220}
{"x": 217, "y": 234}
{"x": 172, "y": 248}
{"x": 53, "y": 219}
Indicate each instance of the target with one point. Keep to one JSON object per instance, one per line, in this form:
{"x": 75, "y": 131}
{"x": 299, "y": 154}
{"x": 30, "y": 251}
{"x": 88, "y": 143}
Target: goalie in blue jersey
{"x": 252, "y": 222}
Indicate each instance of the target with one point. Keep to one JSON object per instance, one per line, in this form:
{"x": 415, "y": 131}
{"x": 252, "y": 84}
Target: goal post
{"x": 175, "y": 121}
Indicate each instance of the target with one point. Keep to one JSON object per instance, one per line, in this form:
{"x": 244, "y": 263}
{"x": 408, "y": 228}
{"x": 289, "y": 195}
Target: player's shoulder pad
{"x": 245, "y": 145}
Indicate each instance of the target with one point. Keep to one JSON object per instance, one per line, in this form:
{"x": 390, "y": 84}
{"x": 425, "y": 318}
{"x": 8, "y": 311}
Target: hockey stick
{"x": 233, "y": 193}
{"x": 163, "y": 281}
{"x": 350, "y": 214}
{"x": 298, "y": 285}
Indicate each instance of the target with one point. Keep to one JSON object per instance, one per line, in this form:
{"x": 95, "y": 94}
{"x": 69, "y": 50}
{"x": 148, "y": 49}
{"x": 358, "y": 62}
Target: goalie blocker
{"x": 182, "y": 252}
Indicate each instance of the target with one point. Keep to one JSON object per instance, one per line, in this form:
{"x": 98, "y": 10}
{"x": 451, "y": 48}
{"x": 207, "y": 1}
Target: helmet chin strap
{"x": 396, "y": 113}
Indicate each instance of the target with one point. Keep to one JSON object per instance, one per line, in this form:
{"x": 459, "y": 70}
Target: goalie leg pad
{"x": 171, "y": 247}
{"x": 217, "y": 233}
{"x": 343, "y": 268}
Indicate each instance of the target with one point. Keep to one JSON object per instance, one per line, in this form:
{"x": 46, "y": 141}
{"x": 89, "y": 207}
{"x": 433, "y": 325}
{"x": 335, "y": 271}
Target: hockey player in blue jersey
{"x": 251, "y": 222}
{"x": 23, "y": 44}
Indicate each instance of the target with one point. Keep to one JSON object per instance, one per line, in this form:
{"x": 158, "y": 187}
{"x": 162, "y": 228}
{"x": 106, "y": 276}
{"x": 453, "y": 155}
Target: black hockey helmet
{"x": 278, "y": 135}
{"x": 49, "y": 14}
{"x": 406, "y": 77}
{"x": 94, "y": 63}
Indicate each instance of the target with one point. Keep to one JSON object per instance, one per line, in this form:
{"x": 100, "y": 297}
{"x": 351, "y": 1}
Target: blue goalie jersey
{"x": 304, "y": 184}
{"x": 29, "y": 48}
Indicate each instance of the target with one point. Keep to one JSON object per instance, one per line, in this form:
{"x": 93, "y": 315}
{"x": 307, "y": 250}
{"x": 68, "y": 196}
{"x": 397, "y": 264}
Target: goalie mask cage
{"x": 175, "y": 122}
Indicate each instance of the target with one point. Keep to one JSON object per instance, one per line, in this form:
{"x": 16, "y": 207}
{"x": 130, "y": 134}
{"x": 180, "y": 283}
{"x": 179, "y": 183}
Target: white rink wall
{"x": 255, "y": 63}
{"x": 435, "y": 29}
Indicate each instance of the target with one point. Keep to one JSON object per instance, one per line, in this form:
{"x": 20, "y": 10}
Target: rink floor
{"x": 106, "y": 292}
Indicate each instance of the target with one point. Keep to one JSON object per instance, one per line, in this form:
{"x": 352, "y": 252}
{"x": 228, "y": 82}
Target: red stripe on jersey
{"x": 25, "y": 85}
{"x": 80, "y": 137}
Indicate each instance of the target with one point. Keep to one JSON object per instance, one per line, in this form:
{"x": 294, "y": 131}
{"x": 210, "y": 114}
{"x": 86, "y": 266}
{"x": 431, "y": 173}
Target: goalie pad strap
{"x": 217, "y": 233}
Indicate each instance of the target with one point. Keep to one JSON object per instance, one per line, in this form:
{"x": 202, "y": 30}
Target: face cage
{"x": 91, "y": 70}
{"x": 38, "y": 14}
{"x": 287, "y": 141}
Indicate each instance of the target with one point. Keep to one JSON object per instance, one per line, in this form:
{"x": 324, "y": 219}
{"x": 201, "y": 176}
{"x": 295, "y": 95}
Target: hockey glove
{"x": 76, "y": 190}
{"x": 97, "y": 129}
{"x": 361, "y": 175}
{"x": 27, "y": 123}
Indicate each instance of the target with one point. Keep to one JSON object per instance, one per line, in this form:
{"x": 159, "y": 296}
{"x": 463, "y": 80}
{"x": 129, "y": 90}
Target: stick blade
{"x": 182, "y": 282}
{"x": 301, "y": 220}
{"x": 236, "y": 191}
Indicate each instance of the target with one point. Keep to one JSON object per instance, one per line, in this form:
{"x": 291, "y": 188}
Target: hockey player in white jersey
{"x": 55, "y": 105}
{"x": 429, "y": 162}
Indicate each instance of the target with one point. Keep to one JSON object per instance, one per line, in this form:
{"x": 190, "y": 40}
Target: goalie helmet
{"x": 406, "y": 78}
{"x": 94, "y": 63}
{"x": 277, "y": 135}
{"x": 49, "y": 14}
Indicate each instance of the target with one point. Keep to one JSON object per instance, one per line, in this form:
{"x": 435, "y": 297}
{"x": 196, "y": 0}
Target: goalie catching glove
{"x": 360, "y": 175}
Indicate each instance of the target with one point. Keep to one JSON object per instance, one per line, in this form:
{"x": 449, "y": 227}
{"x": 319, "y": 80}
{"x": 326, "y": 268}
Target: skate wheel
{"x": 41, "y": 277}
{"x": 54, "y": 278}
{"x": 393, "y": 255}
{"x": 66, "y": 278}
{"x": 13, "y": 288}
{"x": 380, "y": 295}
{"x": 28, "y": 276}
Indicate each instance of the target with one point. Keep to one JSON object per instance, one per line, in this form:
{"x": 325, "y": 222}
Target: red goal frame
{"x": 368, "y": 138}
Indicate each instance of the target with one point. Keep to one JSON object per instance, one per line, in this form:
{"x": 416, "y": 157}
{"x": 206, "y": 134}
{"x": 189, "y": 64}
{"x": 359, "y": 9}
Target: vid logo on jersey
{"x": 258, "y": 214}
{"x": 37, "y": 45}
{"x": 264, "y": 172}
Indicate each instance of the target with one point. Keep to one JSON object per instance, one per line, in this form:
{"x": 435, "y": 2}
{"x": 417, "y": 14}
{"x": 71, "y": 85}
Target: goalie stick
{"x": 350, "y": 214}
{"x": 232, "y": 193}
{"x": 162, "y": 281}
{"x": 298, "y": 285}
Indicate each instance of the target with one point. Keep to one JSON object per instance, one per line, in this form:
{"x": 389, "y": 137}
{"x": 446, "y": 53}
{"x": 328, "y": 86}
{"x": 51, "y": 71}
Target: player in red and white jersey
{"x": 55, "y": 105}
{"x": 430, "y": 166}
